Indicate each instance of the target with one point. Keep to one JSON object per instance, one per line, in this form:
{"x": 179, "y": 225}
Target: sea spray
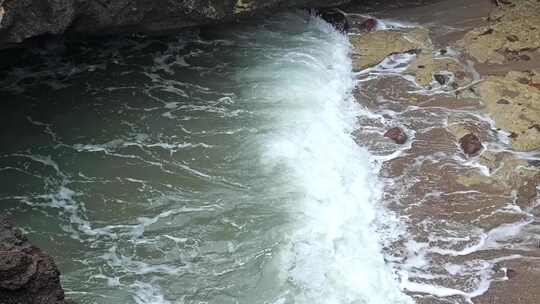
{"x": 212, "y": 167}
{"x": 334, "y": 255}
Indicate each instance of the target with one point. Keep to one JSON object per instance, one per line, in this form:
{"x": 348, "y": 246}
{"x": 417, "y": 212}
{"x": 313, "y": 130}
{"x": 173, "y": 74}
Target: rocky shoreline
{"x": 21, "y": 20}
{"x": 459, "y": 80}
{"x": 27, "y": 275}
{"x": 455, "y": 126}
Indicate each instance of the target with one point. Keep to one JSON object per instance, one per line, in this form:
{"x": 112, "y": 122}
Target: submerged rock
{"x": 23, "y": 19}
{"x": 27, "y": 275}
{"x": 397, "y": 135}
{"x": 470, "y": 144}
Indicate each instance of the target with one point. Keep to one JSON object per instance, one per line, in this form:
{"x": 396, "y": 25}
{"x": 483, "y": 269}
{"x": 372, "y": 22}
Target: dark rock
{"x": 512, "y": 38}
{"x": 368, "y": 25}
{"x": 503, "y": 102}
{"x": 470, "y": 144}
{"x": 336, "y": 18}
{"x": 536, "y": 127}
{"x": 27, "y": 275}
{"x": 511, "y": 273}
{"x": 397, "y": 135}
{"x": 23, "y": 19}
{"x": 523, "y": 80}
{"x": 441, "y": 78}
{"x": 487, "y": 32}
{"x": 534, "y": 163}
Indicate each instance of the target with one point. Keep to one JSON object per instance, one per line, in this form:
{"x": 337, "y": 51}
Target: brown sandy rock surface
{"x": 511, "y": 30}
{"x": 371, "y": 48}
{"x": 515, "y": 107}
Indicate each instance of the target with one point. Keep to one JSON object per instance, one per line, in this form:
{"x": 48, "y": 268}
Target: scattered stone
{"x": 441, "y": 78}
{"x": 397, "y": 135}
{"x": 368, "y": 25}
{"x": 426, "y": 68}
{"x": 27, "y": 275}
{"x": 511, "y": 273}
{"x": 470, "y": 144}
{"x": 337, "y": 18}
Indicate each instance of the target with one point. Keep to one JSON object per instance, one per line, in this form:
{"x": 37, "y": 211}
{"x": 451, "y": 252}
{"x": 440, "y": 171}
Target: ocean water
{"x": 213, "y": 166}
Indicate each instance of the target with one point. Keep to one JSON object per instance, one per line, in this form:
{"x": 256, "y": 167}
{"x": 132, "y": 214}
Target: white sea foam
{"x": 335, "y": 255}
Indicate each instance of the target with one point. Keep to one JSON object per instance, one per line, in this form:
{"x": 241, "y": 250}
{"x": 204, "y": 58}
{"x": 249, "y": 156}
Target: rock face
{"x": 27, "y": 275}
{"x": 23, "y": 19}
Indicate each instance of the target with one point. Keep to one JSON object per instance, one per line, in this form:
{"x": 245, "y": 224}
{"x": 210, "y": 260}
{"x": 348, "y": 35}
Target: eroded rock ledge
{"x": 23, "y": 19}
{"x": 27, "y": 275}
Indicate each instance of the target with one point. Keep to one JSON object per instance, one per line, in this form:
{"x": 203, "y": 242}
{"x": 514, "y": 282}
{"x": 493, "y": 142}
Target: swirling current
{"x": 212, "y": 166}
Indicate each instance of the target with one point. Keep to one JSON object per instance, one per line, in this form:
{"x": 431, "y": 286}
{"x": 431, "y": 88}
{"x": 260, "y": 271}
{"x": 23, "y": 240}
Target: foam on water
{"x": 212, "y": 171}
{"x": 335, "y": 254}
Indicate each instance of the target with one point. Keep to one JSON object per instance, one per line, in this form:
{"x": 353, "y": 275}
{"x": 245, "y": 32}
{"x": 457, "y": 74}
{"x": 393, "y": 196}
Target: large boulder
{"x": 23, "y": 19}
{"x": 27, "y": 275}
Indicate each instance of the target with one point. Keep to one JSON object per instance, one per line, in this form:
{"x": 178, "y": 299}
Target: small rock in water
{"x": 368, "y": 25}
{"x": 470, "y": 144}
{"x": 397, "y": 135}
{"x": 336, "y": 18}
{"x": 511, "y": 273}
{"x": 441, "y": 79}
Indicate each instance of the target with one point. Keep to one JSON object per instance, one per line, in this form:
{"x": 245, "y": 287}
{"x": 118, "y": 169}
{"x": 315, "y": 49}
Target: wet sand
{"x": 471, "y": 221}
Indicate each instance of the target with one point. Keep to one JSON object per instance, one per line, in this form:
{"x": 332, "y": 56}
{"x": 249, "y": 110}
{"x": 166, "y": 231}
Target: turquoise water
{"x": 214, "y": 166}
